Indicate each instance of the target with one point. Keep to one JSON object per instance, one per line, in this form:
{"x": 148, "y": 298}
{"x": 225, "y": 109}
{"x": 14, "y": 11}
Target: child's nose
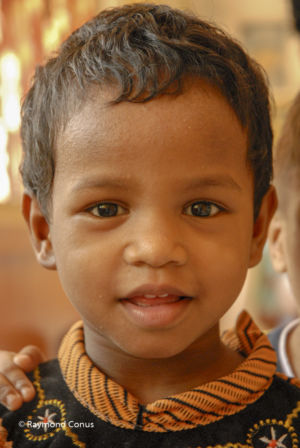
{"x": 155, "y": 242}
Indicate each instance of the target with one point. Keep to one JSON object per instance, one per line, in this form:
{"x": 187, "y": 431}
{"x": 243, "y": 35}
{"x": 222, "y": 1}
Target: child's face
{"x": 284, "y": 236}
{"x": 152, "y": 227}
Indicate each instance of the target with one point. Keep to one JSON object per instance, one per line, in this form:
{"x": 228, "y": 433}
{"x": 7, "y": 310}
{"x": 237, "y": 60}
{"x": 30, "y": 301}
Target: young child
{"x": 284, "y": 235}
{"x": 147, "y": 166}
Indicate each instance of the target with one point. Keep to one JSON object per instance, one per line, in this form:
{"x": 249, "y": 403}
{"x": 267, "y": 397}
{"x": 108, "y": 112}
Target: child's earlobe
{"x": 39, "y": 231}
{"x": 276, "y": 244}
{"x": 261, "y": 225}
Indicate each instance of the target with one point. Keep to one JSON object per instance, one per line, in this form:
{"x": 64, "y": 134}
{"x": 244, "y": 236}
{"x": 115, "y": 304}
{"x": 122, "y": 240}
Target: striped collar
{"x": 199, "y": 406}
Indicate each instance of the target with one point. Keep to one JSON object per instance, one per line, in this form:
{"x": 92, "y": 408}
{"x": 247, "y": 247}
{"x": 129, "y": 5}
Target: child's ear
{"x": 261, "y": 226}
{"x": 276, "y": 244}
{"x": 39, "y": 231}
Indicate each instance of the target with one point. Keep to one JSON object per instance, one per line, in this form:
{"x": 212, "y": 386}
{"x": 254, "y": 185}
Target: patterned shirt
{"x": 76, "y": 405}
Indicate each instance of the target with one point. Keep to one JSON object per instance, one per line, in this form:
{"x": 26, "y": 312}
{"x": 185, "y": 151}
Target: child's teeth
{"x": 152, "y": 296}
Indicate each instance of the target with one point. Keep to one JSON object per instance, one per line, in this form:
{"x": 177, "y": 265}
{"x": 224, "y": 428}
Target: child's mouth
{"x": 155, "y": 310}
{"x": 153, "y": 300}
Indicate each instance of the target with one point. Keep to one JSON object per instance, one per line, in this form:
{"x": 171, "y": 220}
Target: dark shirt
{"x": 76, "y": 405}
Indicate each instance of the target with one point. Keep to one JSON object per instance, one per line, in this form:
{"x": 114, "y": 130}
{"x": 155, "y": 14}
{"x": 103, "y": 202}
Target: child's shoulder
{"x": 286, "y": 383}
{"x": 274, "y": 419}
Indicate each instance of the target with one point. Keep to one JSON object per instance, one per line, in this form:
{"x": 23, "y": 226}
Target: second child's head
{"x": 285, "y": 228}
{"x": 147, "y": 166}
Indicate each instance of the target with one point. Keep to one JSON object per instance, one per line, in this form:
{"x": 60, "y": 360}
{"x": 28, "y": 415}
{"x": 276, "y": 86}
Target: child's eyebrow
{"x": 191, "y": 184}
{"x": 103, "y": 182}
{"x": 213, "y": 181}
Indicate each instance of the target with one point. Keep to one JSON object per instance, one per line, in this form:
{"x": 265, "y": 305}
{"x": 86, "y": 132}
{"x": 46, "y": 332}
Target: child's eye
{"x": 107, "y": 210}
{"x": 202, "y": 209}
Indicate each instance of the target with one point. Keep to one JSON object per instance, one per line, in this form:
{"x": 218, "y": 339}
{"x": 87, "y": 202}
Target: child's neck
{"x": 152, "y": 379}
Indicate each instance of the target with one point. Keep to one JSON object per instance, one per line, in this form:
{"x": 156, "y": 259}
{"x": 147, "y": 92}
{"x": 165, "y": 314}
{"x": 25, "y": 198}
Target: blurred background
{"x": 33, "y": 308}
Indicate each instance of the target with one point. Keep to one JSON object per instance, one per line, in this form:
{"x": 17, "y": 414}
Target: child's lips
{"x": 155, "y": 307}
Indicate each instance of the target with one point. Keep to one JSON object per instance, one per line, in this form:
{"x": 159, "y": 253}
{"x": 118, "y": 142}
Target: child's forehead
{"x": 194, "y": 133}
{"x": 98, "y": 113}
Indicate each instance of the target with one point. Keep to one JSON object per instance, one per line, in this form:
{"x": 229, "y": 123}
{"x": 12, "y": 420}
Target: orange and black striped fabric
{"x": 77, "y": 406}
{"x": 200, "y": 406}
